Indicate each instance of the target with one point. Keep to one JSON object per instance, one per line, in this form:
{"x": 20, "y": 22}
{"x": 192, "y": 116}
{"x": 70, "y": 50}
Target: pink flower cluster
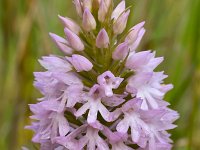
{"x": 102, "y": 94}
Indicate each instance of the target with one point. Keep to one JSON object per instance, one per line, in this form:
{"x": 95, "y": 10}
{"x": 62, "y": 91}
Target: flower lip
{"x": 96, "y": 92}
{"x": 108, "y": 82}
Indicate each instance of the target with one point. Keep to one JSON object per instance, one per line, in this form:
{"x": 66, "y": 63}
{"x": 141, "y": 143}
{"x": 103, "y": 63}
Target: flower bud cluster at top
{"x": 97, "y": 39}
{"x": 102, "y": 94}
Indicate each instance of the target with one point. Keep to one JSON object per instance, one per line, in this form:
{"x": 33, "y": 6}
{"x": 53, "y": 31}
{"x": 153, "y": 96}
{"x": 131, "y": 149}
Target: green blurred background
{"x": 173, "y": 29}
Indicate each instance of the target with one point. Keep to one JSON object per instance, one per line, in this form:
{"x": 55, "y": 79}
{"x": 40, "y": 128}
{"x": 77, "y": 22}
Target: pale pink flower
{"x": 149, "y": 87}
{"x": 55, "y": 64}
{"x": 51, "y": 123}
{"x": 94, "y": 105}
{"x": 91, "y": 139}
{"x": 144, "y": 61}
{"x": 145, "y": 127}
{"x": 108, "y": 81}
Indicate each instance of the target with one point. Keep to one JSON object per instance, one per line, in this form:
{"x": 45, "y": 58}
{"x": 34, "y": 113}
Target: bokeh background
{"x": 173, "y": 29}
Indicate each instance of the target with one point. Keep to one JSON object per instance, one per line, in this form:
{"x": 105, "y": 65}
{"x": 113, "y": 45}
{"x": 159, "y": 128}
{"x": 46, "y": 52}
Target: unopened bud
{"x": 80, "y": 63}
{"x": 74, "y": 41}
{"x": 102, "y": 40}
{"x": 118, "y": 10}
{"x": 70, "y": 24}
{"x": 78, "y": 6}
{"x": 135, "y": 35}
{"x": 87, "y": 4}
{"x": 120, "y": 23}
{"x": 89, "y": 22}
{"x": 103, "y": 9}
{"x": 61, "y": 43}
{"x": 121, "y": 51}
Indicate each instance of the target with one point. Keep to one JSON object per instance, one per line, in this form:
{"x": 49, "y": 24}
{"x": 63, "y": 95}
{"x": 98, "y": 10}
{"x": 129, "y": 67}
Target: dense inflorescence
{"x": 102, "y": 94}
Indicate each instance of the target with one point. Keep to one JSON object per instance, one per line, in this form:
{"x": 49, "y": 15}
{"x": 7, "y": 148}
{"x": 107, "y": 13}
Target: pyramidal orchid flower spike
{"x": 102, "y": 94}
